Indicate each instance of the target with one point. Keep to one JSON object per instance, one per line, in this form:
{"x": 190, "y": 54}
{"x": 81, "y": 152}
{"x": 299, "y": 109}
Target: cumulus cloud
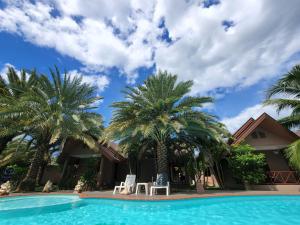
{"x": 234, "y": 123}
{"x": 96, "y": 42}
{"x": 100, "y": 81}
{"x": 261, "y": 37}
{"x": 227, "y": 44}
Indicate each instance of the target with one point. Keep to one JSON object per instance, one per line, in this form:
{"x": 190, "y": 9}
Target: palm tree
{"x": 56, "y": 109}
{"x": 159, "y": 110}
{"x": 13, "y": 89}
{"x": 288, "y": 87}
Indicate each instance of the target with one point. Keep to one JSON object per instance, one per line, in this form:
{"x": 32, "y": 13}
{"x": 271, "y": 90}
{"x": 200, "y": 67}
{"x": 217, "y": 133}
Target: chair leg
{"x": 151, "y": 191}
{"x": 115, "y": 191}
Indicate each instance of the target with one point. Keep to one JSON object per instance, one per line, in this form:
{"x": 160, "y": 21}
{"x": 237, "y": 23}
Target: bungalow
{"x": 104, "y": 165}
{"x": 268, "y": 136}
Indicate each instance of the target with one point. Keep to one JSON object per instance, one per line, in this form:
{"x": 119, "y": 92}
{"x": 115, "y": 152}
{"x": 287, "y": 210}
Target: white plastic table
{"x": 138, "y": 187}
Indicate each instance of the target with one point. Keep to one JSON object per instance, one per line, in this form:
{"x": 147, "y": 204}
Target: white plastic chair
{"x": 157, "y": 186}
{"x": 129, "y": 184}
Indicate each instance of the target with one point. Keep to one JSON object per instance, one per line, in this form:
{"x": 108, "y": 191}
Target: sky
{"x": 233, "y": 50}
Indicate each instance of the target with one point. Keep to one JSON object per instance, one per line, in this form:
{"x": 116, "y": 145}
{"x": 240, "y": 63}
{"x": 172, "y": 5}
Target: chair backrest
{"x": 161, "y": 179}
{"x": 130, "y": 180}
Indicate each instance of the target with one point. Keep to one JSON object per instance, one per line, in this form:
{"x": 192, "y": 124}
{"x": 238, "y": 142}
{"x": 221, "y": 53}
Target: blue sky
{"x": 230, "y": 52}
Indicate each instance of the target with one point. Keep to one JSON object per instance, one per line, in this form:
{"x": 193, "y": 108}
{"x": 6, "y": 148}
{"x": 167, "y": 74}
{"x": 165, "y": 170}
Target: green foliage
{"x": 49, "y": 110}
{"x": 293, "y": 153}
{"x": 53, "y": 109}
{"x": 289, "y": 87}
{"x": 196, "y": 166}
{"x": 17, "y": 152}
{"x": 18, "y": 174}
{"x": 247, "y": 166}
{"x": 89, "y": 177}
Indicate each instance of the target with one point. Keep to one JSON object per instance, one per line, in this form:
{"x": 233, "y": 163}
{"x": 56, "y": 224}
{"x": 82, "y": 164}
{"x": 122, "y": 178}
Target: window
{"x": 258, "y": 134}
{"x": 262, "y": 134}
{"x": 254, "y": 135}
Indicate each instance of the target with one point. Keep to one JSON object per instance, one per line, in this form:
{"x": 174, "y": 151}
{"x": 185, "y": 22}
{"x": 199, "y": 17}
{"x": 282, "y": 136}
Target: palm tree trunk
{"x": 219, "y": 177}
{"x": 28, "y": 183}
{"x": 162, "y": 159}
{"x": 40, "y": 172}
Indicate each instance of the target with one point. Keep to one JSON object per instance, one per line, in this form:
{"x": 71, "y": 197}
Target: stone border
{"x": 176, "y": 196}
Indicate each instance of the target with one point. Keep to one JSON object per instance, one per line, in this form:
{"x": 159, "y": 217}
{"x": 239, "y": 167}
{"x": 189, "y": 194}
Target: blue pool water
{"x": 58, "y": 210}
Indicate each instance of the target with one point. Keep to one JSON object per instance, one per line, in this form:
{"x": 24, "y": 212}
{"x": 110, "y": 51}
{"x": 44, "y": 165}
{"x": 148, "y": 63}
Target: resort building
{"x": 268, "y": 136}
{"x": 107, "y": 166}
{"x": 104, "y": 164}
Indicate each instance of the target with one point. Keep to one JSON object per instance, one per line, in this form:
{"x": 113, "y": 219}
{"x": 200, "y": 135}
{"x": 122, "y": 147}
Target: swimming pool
{"x": 69, "y": 209}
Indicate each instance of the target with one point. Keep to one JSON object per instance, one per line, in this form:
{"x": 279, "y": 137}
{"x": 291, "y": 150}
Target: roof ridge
{"x": 243, "y": 127}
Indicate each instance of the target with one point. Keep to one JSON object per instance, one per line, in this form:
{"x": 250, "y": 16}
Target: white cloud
{"x": 100, "y": 81}
{"x": 90, "y": 40}
{"x": 234, "y": 123}
{"x": 4, "y": 70}
{"x": 265, "y": 35}
{"x": 125, "y": 34}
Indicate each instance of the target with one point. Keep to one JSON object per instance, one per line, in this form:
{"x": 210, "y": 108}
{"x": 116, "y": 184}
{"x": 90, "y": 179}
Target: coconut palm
{"x": 159, "y": 110}
{"x": 288, "y": 87}
{"x": 12, "y": 88}
{"x": 56, "y": 109}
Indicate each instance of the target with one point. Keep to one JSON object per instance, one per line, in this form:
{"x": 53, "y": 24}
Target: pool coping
{"x": 175, "y": 196}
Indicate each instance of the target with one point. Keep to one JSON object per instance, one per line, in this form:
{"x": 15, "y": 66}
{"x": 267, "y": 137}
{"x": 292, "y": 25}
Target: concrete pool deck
{"x": 174, "y": 196}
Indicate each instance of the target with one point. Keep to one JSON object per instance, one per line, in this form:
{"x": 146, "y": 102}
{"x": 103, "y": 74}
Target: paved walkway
{"x": 173, "y": 196}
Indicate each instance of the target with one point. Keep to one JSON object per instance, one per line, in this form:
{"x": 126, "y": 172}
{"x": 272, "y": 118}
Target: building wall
{"x": 147, "y": 170}
{"x": 271, "y": 145}
{"x": 122, "y": 169}
{"x": 276, "y": 161}
{"x": 52, "y": 173}
{"x": 270, "y": 142}
{"x": 109, "y": 173}
{"x": 75, "y": 147}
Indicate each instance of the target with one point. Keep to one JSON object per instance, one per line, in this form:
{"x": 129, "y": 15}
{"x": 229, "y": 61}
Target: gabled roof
{"x": 76, "y": 148}
{"x": 248, "y": 127}
{"x": 110, "y": 151}
{"x": 243, "y": 128}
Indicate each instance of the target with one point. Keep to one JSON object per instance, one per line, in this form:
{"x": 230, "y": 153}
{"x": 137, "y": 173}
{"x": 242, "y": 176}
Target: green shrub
{"x": 247, "y": 166}
{"x": 18, "y": 174}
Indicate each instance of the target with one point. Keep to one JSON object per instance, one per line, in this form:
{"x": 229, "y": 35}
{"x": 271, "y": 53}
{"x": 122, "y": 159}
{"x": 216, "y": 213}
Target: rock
{"x": 125, "y": 191}
{"x": 79, "y": 187}
{"x": 5, "y": 188}
{"x": 48, "y": 187}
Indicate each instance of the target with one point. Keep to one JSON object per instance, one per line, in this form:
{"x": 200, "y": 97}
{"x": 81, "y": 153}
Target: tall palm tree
{"x": 159, "y": 110}
{"x": 289, "y": 87}
{"x": 12, "y": 88}
{"x": 56, "y": 109}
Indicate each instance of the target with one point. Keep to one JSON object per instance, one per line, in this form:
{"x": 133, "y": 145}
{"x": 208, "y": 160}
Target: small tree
{"x": 196, "y": 168}
{"x": 247, "y": 166}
